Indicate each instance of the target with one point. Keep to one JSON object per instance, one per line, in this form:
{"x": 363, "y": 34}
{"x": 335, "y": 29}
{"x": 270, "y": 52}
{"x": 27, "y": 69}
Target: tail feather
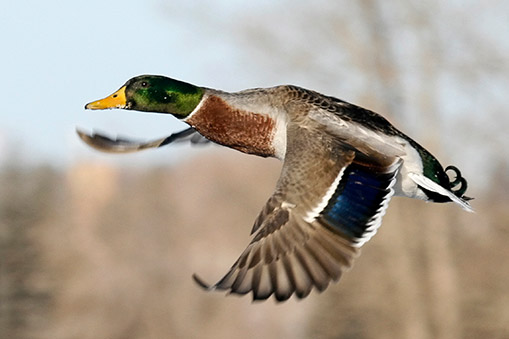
{"x": 455, "y": 196}
{"x": 459, "y": 180}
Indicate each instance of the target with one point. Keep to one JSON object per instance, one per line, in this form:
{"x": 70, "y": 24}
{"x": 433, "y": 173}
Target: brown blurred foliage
{"x": 98, "y": 252}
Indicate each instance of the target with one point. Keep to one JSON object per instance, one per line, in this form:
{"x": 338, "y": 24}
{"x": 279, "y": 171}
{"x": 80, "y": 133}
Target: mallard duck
{"x": 341, "y": 166}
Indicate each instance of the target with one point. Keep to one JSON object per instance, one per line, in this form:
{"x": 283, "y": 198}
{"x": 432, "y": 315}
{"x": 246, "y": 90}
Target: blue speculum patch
{"x": 357, "y": 199}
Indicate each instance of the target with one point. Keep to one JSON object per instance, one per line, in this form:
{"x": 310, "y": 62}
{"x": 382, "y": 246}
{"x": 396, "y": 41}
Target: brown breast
{"x": 248, "y": 132}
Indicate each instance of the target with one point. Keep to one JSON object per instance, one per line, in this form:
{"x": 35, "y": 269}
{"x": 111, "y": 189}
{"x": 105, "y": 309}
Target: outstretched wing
{"x": 325, "y": 206}
{"x": 123, "y": 145}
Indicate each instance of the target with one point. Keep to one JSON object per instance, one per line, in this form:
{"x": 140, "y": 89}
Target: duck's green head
{"x": 153, "y": 93}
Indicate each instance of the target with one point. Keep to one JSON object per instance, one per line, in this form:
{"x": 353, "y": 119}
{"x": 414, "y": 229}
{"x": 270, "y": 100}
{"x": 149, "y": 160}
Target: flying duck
{"x": 341, "y": 166}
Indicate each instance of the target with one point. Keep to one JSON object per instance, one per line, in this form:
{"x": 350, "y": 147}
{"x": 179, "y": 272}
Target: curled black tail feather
{"x": 459, "y": 180}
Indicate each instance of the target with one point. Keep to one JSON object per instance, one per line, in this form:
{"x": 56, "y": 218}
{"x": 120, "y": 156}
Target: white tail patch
{"x": 430, "y": 185}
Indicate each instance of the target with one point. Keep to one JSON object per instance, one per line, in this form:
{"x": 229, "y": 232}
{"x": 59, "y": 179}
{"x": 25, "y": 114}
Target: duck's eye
{"x": 144, "y": 84}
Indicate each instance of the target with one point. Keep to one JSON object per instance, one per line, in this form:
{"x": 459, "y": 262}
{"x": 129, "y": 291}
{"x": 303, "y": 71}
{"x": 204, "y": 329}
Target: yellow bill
{"x": 116, "y": 100}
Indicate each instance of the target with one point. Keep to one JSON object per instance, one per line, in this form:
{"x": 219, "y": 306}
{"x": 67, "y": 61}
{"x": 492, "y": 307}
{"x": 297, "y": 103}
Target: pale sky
{"x": 59, "y": 55}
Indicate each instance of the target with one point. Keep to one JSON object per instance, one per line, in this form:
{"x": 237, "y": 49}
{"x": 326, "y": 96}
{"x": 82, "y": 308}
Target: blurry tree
{"x": 26, "y": 201}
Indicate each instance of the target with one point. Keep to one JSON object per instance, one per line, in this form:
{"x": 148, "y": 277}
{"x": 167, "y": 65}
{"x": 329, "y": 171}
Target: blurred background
{"x": 103, "y": 246}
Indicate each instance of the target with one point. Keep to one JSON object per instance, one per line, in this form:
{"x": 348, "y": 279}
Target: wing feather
{"x": 104, "y": 143}
{"x": 307, "y": 235}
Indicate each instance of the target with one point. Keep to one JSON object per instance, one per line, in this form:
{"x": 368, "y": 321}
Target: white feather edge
{"x": 376, "y": 221}
{"x": 315, "y": 212}
{"x": 430, "y": 185}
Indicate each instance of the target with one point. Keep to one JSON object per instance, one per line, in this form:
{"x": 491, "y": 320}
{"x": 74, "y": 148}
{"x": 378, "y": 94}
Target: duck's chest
{"x": 241, "y": 129}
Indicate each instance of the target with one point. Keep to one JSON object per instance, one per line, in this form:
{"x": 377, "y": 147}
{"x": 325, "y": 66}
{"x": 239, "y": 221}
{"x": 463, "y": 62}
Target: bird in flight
{"x": 341, "y": 166}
